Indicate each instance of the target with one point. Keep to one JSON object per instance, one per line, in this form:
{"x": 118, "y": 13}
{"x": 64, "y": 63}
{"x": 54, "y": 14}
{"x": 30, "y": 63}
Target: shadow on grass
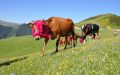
{"x": 7, "y": 63}
{"x": 61, "y": 49}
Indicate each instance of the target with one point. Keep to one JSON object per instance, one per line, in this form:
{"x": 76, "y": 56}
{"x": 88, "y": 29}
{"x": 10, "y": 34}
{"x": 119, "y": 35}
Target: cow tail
{"x": 72, "y": 28}
{"x": 73, "y": 33}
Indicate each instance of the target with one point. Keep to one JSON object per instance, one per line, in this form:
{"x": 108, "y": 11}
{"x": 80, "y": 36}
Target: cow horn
{"x": 32, "y": 21}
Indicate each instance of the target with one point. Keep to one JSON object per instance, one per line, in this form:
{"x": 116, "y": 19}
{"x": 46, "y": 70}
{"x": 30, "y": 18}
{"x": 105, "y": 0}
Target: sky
{"x": 23, "y": 11}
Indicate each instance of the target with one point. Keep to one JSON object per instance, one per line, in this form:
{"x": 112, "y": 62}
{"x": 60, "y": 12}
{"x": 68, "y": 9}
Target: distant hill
{"x": 8, "y": 29}
{"x": 4, "y": 31}
{"x": 20, "y": 30}
{"x": 104, "y": 20}
{"x": 8, "y": 24}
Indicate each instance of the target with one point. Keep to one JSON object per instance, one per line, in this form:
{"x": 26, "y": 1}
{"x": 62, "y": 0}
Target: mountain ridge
{"x": 8, "y": 29}
{"x": 104, "y": 20}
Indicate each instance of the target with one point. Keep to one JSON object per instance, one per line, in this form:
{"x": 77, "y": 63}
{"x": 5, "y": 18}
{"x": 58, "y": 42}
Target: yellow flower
{"x": 66, "y": 61}
{"x": 101, "y": 73}
{"x": 60, "y": 67}
{"x": 93, "y": 71}
{"x": 58, "y": 73}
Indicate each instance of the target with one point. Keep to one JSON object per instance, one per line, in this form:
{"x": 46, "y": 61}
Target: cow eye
{"x": 30, "y": 25}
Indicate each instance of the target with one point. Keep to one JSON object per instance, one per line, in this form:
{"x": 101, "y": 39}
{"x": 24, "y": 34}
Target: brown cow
{"x": 63, "y": 41}
{"x": 57, "y": 27}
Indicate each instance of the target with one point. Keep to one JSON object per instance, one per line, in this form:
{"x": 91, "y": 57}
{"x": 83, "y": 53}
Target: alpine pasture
{"x": 94, "y": 57}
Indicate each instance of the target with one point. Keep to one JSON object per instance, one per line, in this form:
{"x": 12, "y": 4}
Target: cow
{"x": 63, "y": 41}
{"x": 52, "y": 28}
{"x": 89, "y": 29}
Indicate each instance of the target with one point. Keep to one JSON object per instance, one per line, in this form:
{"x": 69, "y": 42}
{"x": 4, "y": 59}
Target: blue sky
{"x": 23, "y": 11}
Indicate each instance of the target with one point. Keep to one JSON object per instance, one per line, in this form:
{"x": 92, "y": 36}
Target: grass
{"x": 18, "y": 46}
{"x": 95, "y": 57}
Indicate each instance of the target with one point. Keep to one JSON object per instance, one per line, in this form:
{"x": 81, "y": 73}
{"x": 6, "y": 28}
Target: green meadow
{"x": 21, "y": 56}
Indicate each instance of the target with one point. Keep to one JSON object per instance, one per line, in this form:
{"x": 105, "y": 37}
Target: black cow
{"x": 89, "y": 29}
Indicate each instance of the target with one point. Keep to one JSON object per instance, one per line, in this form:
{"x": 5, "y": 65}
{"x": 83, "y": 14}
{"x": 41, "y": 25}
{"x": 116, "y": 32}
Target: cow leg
{"x": 76, "y": 38}
{"x": 43, "y": 49}
{"x": 73, "y": 36}
{"x": 98, "y": 35}
{"x": 93, "y": 36}
{"x": 71, "y": 43}
{"x": 57, "y": 43}
{"x": 66, "y": 39}
{"x": 85, "y": 38}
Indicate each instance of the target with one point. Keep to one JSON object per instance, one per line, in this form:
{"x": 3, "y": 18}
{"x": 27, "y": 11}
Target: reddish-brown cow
{"x": 63, "y": 41}
{"x": 57, "y": 27}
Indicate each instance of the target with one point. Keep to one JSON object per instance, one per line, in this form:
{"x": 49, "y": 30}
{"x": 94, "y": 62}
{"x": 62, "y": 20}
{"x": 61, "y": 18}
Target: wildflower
{"x": 57, "y": 73}
{"x": 12, "y": 73}
{"x": 60, "y": 67}
{"x": 101, "y": 73}
{"x": 93, "y": 71}
{"x": 103, "y": 60}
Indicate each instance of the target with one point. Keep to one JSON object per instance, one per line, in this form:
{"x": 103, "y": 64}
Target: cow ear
{"x": 30, "y": 25}
{"x": 43, "y": 20}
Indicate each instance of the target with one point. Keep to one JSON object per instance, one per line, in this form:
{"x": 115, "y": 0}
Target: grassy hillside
{"x": 20, "y": 47}
{"x": 95, "y": 57}
{"x": 104, "y": 20}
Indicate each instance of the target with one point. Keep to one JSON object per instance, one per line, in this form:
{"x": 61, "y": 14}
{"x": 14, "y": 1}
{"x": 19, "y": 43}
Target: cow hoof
{"x": 53, "y": 53}
{"x": 64, "y": 48}
{"x": 74, "y": 45}
{"x": 42, "y": 55}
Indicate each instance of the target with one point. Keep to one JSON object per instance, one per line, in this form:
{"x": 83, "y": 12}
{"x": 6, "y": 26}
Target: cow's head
{"x": 35, "y": 30}
{"x": 82, "y": 38}
{"x": 82, "y": 27}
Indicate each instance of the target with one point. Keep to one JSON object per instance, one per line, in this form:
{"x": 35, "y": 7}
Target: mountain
{"x": 8, "y": 29}
{"x": 8, "y": 24}
{"x": 104, "y": 20}
{"x": 4, "y": 31}
{"x": 23, "y": 30}
{"x": 20, "y": 30}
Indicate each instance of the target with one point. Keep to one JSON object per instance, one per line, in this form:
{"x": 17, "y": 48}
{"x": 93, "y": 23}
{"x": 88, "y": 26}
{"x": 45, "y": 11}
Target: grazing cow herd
{"x": 57, "y": 27}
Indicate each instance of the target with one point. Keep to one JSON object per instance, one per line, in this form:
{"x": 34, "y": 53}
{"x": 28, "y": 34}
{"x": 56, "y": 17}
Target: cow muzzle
{"x": 81, "y": 40}
{"x": 37, "y": 37}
